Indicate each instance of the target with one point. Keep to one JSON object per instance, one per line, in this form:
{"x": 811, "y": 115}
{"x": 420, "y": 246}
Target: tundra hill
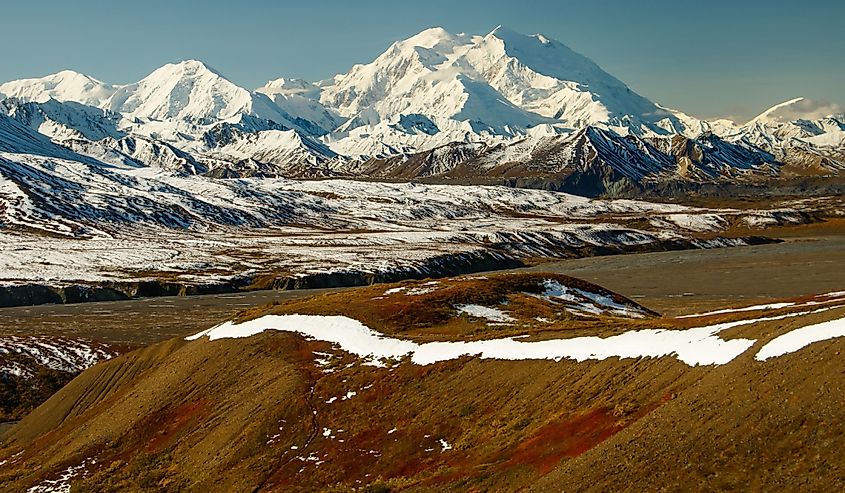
{"x": 34, "y": 367}
{"x": 601, "y": 389}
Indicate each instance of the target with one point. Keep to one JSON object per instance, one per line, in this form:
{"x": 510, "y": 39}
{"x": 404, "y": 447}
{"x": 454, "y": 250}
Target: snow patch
{"x": 488, "y": 313}
{"x": 754, "y": 308}
{"x": 582, "y": 301}
{"x": 420, "y": 291}
{"x": 62, "y": 483}
{"x": 801, "y": 338}
{"x": 694, "y": 346}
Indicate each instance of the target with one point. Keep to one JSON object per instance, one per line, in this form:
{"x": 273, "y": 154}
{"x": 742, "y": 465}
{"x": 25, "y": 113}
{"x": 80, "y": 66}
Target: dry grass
{"x": 432, "y": 313}
{"x": 252, "y": 414}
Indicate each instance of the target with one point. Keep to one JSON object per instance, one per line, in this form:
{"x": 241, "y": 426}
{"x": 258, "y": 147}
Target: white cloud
{"x": 801, "y": 108}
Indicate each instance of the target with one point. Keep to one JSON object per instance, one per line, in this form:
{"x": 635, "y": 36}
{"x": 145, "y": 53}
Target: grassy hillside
{"x": 280, "y": 412}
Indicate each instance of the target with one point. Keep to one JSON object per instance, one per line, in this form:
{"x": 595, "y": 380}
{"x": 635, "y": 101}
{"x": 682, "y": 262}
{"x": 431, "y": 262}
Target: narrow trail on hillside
{"x": 312, "y": 435}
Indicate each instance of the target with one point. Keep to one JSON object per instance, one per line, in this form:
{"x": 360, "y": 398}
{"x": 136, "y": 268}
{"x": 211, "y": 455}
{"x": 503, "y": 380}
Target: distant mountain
{"x": 798, "y": 109}
{"x": 174, "y": 101}
{"x": 806, "y": 135}
{"x": 546, "y": 77}
{"x": 500, "y": 108}
{"x": 298, "y": 98}
{"x": 591, "y": 161}
{"x": 501, "y": 84}
{"x": 193, "y": 93}
{"x": 66, "y": 85}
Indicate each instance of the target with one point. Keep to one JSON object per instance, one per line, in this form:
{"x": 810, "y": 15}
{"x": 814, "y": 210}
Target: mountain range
{"x": 504, "y": 108}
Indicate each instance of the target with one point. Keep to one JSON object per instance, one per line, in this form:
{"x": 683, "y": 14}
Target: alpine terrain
{"x": 473, "y": 263}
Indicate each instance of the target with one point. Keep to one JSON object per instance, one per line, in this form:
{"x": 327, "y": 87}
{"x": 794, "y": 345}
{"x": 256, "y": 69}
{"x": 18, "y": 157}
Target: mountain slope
{"x": 66, "y": 85}
{"x": 592, "y": 161}
{"x": 297, "y": 98}
{"x": 297, "y": 397}
{"x": 64, "y": 120}
{"x": 191, "y": 91}
{"x": 281, "y": 153}
{"x": 19, "y": 138}
{"x": 501, "y": 84}
{"x": 546, "y": 77}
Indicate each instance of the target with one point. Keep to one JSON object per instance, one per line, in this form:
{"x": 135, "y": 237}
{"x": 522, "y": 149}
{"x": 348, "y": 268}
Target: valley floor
{"x": 673, "y": 283}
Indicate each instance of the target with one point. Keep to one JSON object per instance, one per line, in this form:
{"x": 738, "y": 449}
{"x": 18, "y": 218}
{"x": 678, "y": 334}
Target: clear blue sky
{"x": 708, "y": 58}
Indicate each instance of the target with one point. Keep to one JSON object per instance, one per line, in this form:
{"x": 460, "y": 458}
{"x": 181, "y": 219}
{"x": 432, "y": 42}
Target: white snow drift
{"x": 694, "y": 346}
{"x": 698, "y": 346}
{"x": 801, "y": 338}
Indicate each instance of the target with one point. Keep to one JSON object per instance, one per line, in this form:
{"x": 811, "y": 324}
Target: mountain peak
{"x": 68, "y": 74}
{"x": 507, "y": 34}
{"x": 189, "y": 89}
{"x": 189, "y": 68}
{"x": 431, "y": 37}
{"x": 66, "y": 85}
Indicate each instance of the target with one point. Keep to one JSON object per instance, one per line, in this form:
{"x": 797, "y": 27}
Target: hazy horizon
{"x": 719, "y": 60}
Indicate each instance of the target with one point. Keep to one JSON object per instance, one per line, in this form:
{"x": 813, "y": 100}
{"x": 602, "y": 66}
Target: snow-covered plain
{"x": 66, "y": 221}
{"x": 20, "y": 355}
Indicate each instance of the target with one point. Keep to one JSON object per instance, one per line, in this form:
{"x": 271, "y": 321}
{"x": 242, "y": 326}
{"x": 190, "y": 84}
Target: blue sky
{"x": 708, "y": 58}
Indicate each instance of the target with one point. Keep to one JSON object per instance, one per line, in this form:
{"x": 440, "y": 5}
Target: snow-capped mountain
{"x": 807, "y": 135}
{"x": 799, "y": 109}
{"x": 193, "y": 92}
{"x": 500, "y": 108}
{"x": 417, "y": 95}
{"x": 501, "y": 84}
{"x": 298, "y": 98}
{"x": 546, "y": 77}
{"x": 818, "y": 123}
{"x": 66, "y": 85}
{"x": 181, "y": 118}
{"x": 187, "y": 104}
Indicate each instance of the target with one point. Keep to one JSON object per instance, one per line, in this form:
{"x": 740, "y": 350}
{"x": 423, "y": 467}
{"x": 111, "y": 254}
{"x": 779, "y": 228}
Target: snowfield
{"x": 22, "y": 355}
{"x": 694, "y": 346}
{"x": 66, "y": 221}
